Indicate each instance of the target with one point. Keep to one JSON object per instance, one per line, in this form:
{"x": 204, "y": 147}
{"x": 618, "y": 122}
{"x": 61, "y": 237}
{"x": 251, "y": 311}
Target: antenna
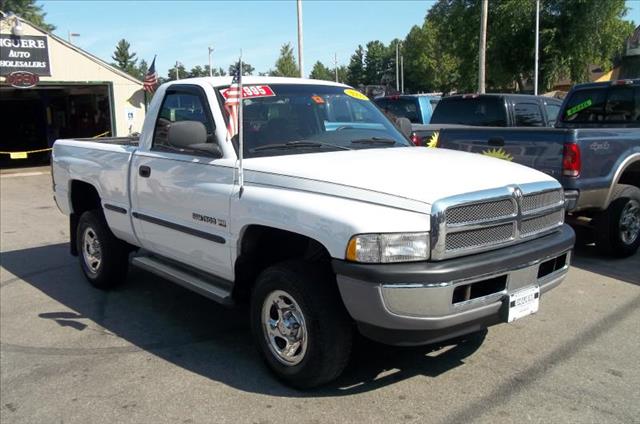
{"x": 240, "y": 129}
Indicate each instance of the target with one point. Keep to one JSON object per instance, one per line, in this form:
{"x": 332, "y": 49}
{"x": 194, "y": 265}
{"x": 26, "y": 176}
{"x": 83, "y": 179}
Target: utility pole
{"x": 535, "y": 71}
{"x": 483, "y": 45}
{"x": 402, "y": 74}
{"x": 178, "y": 70}
{"x": 210, "y": 68}
{"x": 335, "y": 64}
{"x": 300, "y": 60}
{"x": 397, "y": 67}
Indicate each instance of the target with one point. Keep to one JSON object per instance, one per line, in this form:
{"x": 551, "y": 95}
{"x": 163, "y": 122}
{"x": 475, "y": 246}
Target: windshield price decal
{"x": 580, "y": 106}
{"x": 251, "y": 91}
{"x": 355, "y": 94}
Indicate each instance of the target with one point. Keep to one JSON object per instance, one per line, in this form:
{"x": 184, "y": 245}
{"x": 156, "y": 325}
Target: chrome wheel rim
{"x": 630, "y": 222}
{"x": 284, "y": 328}
{"x": 91, "y": 250}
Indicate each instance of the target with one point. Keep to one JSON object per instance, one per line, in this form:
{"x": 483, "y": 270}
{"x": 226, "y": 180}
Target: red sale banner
{"x": 251, "y": 91}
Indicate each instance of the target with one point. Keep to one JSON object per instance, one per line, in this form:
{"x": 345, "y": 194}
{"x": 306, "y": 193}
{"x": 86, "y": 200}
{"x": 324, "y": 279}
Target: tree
{"x": 286, "y": 65}
{"x": 375, "y": 62}
{"x": 171, "y": 74}
{"x": 247, "y": 69}
{"x": 143, "y": 68}
{"x": 355, "y": 69}
{"x": 321, "y": 72}
{"x": 28, "y": 10}
{"x": 198, "y": 71}
{"x": 125, "y": 60}
{"x": 343, "y": 72}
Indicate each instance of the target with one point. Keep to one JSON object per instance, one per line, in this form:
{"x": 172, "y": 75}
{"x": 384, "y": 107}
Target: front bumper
{"x": 426, "y": 302}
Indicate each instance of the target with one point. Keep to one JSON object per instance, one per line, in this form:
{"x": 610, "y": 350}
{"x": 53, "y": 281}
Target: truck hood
{"x": 416, "y": 173}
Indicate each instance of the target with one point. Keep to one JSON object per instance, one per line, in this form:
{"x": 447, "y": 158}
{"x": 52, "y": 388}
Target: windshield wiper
{"x": 374, "y": 140}
{"x": 299, "y": 143}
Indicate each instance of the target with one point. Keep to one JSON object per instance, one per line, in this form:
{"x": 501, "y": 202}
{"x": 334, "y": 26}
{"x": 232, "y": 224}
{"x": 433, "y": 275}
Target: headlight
{"x": 387, "y": 248}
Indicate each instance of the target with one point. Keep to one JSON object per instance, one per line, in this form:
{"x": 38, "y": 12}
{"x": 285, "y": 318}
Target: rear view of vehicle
{"x": 594, "y": 151}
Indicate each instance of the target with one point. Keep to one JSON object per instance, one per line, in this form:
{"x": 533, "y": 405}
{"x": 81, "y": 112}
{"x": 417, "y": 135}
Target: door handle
{"x": 496, "y": 141}
{"x": 144, "y": 171}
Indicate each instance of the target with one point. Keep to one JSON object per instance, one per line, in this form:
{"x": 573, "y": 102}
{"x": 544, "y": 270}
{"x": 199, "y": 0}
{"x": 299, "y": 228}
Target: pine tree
{"x": 124, "y": 59}
{"x": 286, "y": 65}
{"x": 28, "y": 10}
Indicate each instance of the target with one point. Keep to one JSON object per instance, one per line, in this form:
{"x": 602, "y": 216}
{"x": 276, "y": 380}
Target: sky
{"x": 183, "y": 30}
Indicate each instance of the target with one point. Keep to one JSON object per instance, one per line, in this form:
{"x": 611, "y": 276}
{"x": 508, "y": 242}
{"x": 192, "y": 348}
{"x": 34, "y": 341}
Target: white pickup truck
{"x": 341, "y": 224}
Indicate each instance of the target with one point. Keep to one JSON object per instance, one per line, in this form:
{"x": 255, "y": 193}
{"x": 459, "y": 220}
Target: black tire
{"x": 329, "y": 328}
{"x": 114, "y": 253}
{"x": 609, "y": 230}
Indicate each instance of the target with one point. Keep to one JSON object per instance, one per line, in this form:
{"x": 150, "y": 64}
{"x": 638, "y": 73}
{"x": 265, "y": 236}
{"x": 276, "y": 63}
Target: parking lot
{"x": 151, "y": 351}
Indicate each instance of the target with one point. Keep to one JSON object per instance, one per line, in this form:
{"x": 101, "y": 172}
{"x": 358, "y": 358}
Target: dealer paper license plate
{"x": 523, "y": 302}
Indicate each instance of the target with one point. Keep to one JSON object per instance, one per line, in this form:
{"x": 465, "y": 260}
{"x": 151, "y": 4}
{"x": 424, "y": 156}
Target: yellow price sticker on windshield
{"x": 355, "y": 94}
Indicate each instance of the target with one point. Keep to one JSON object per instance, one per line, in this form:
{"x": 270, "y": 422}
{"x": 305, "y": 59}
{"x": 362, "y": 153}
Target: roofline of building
{"x": 79, "y": 50}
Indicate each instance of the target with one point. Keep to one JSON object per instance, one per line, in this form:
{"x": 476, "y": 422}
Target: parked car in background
{"x": 417, "y": 108}
{"x": 488, "y": 110}
{"x": 594, "y": 151}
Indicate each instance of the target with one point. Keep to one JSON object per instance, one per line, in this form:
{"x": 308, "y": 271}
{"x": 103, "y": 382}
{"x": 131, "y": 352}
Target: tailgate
{"x": 538, "y": 148}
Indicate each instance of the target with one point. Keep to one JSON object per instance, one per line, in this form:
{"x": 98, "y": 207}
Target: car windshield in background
{"x": 615, "y": 104}
{"x": 479, "y": 111}
{"x": 401, "y": 107}
{"x": 282, "y": 119}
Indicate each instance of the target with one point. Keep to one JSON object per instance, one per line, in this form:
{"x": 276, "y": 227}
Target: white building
{"x": 51, "y": 89}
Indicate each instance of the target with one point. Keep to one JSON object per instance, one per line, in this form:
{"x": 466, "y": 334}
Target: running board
{"x": 209, "y": 286}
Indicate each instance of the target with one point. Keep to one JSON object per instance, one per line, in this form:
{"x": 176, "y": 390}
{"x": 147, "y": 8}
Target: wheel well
{"x": 631, "y": 175}
{"x": 263, "y": 246}
{"x": 84, "y": 197}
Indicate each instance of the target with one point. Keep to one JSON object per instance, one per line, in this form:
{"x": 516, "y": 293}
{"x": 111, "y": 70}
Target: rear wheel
{"x": 300, "y": 325}
{"x": 104, "y": 259}
{"x": 617, "y": 229}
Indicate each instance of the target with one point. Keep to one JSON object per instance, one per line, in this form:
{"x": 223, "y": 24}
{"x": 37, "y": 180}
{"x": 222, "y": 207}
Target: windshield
{"x": 479, "y": 111}
{"x": 402, "y": 107}
{"x": 282, "y": 119}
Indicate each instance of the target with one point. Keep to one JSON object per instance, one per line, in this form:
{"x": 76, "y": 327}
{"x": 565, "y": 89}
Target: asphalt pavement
{"x": 153, "y": 352}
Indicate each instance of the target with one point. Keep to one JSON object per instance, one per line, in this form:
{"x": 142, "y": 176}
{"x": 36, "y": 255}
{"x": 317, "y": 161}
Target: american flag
{"x": 151, "y": 78}
{"x": 232, "y": 102}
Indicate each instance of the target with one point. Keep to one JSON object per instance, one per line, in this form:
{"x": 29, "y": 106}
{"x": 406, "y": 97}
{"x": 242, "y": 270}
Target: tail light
{"x": 415, "y": 139}
{"x": 571, "y": 162}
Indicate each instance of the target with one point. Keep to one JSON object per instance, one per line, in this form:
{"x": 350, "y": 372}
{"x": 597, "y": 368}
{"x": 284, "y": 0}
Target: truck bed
{"x": 124, "y": 141}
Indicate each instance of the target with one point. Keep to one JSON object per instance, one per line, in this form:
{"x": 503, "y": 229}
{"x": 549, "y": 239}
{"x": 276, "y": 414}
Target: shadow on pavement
{"x": 587, "y": 257}
{"x": 195, "y": 333}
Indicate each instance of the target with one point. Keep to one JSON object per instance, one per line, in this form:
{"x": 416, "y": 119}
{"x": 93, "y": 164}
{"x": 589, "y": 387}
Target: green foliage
{"x": 28, "y": 10}
{"x": 247, "y": 69}
{"x": 171, "y": 74}
{"x": 286, "y": 65}
{"x": 124, "y": 59}
{"x": 355, "y": 70}
{"x": 442, "y": 54}
{"x": 321, "y": 72}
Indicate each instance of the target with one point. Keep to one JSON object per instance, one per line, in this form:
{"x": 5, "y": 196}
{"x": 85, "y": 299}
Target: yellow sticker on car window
{"x": 355, "y": 94}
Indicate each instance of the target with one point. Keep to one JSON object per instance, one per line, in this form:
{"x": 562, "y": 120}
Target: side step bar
{"x": 209, "y": 286}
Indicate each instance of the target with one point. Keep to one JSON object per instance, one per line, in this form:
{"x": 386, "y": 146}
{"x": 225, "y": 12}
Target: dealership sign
{"x": 25, "y": 53}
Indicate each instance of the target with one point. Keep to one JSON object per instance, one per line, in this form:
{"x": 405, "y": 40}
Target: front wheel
{"x": 618, "y": 227}
{"x": 300, "y": 325}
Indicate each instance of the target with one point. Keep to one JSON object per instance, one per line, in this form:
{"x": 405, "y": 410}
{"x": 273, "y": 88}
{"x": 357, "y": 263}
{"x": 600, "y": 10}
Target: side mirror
{"x": 404, "y": 125}
{"x": 192, "y": 135}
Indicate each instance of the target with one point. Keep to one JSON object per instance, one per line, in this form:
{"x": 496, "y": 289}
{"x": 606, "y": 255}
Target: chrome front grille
{"x": 489, "y": 219}
{"x": 542, "y": 200}
{"x": 481, "y": 211}
{"x": 532, "y": 226}
{"x": 480, "y": 237}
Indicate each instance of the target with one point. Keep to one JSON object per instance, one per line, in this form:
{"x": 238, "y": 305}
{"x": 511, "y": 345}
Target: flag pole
{"x": 240, "y": 132}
